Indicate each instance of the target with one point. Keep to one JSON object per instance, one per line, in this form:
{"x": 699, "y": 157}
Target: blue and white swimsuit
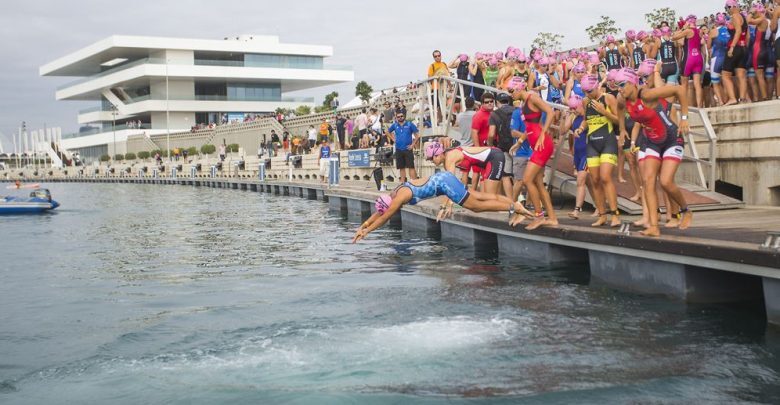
{"x": 442, "y": 183}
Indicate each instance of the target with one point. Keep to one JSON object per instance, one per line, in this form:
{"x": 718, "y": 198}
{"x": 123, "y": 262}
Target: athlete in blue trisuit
{"x": 451, "y": 189}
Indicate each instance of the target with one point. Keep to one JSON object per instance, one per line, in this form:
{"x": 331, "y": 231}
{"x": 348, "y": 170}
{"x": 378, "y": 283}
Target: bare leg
{"x": 491, "y": 186}
{"x": 697, "y": 88}
{"x": 743, "y": 85}
{"x": 621, "y": 163}
{"x": 667, "y": 173}
{"x": 582, "y": 177}
{"x": 728, "y": 84}
{"x": 650, "y": 174}
{"x": 413, "y": 173}
{"x": 636, "y": 178}
{"x": 718, "y": 88}
{"x": 761, "y": 84}
{"x": 598, "y": 195}
{"x": 609, "y": 192}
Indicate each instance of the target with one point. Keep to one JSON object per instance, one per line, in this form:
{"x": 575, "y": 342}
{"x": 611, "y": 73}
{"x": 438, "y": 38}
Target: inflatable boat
{"x": 38, "y": 201}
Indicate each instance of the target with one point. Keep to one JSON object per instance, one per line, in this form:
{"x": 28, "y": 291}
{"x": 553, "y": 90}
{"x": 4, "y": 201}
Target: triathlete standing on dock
{"x": 663, "y": 151}
{"x": 440, "y": 184}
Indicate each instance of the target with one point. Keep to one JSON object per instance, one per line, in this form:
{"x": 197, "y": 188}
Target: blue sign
{"x": 359, "y": 158}
{"x": 235, "y": 117}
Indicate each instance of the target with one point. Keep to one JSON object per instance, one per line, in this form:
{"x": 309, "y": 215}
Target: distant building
{"x": 172, "y": 84}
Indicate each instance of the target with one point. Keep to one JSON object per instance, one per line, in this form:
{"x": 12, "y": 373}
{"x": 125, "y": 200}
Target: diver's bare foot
{"x": 672, "y": 223}
{"x": 536, "y": 223}
{"x": 730, "y": 102}
{"x": 622, "y": 180}
{"x": 521, "y": 210}
{"x": 615, "y": 221}
{"x": 687, "y": 218}
{"x": 550, "y": 222}
{"x": 574, "y": 214}
{"x": 651, "y": 231}
{"x": 635, "y": 198}
{"x": 641, "y": 223}
{"x": 594, "y": 214}
{"x": 516, "y": 220}
{"x": 601, "y": 221}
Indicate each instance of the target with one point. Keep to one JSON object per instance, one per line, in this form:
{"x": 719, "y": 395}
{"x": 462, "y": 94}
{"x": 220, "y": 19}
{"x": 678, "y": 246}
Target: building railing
{"x": 196, "y": 62}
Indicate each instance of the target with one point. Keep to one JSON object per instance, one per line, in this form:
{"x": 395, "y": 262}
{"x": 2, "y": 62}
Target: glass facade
{"x": 283, "y": 61}
{"x": 254, "y": 91}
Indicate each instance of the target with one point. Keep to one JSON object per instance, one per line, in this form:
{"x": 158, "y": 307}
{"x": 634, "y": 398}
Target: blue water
{"x": 172, "y": 294}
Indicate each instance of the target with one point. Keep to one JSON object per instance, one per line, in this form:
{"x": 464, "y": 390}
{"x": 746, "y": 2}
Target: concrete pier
{"x": 358, "y": 209}
{"x": 540, "y": 252}
{"x": 467, "y": 236}
{"x": 772, "y": 299}
{"x": 418, "y": 223}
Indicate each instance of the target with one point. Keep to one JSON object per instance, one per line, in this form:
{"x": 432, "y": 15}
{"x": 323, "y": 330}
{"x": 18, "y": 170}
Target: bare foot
{"x": 636, "y": 198}
{"x": 622, "y": 180}
{"x": 730, "y": 102}
{"x": 651, "y": 231}
{"x": 642, "y": 223}
{"x": 687, "y": 218}
{"x": 516, "y": 220}
{"x": 615, "y": 221}
{"x": 574, "y": 214}
{"x": 594, "y": 214}
{"x": 672, "y": 223}
{"x": 601, "y": 221}
{"x": 550, "y": 222}
{"x": 539, "y": 221}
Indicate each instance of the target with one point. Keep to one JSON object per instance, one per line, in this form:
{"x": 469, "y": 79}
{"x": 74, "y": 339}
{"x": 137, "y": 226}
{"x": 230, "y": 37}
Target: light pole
{"x": 167, "y": 113}
{"x": 113, "y": 129}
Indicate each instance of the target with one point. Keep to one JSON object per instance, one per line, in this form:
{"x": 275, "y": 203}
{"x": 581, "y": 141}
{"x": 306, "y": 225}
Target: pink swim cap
{"x": 433, "y": 149}
{"x": 647, "y": 67}
{"x": 720, "y": 19}
{"x": 382, "y": 203}
{"x": 641, "y": 35}
{"x": 593, "y": 58}
{"x": 627, "y": 75}
{"x": 691, "y": 19}
{"x": 499, "y": 55}
{"x": 493, "y": 62}
{"x": 589, "y": 83}
{"x": 612, "y": 74}
{"x": 573, "y": 53}
{"x": 579, "y": 68}
{"x": 463, "y": 57}
{"x": 658, "y": 33}
{"x": 732, "y": 3}
{"x": 521, "y": 57}
{"x": 538, "y": 54}
{"x": 666, "y": 30}
{"x": 609, "y": 39}
{"x": 758, "y": 8}
{"x": 479, "y": 56}
{"x": 574, "y": 101}
{"x": 630, "y": 35}
{"x": 516, "y": 83}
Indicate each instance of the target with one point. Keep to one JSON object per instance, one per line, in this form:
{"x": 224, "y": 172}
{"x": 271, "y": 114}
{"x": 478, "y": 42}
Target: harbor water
{"x": 173, "y": 294}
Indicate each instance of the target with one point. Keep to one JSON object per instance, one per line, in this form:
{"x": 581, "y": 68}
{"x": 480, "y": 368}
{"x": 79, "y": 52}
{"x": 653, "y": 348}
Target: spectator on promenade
{"x": 324, "y": 157}
{"x": 184, "y": 153}
{"x": 275, "y": 143}
{"x": 222, "y": 152}
{"x": 341, "y": 123}
{"x": 362, "y": 125}
{"x": 286, "y": 140}
{"x": 438, "y": 68}
{"x": 176, "y": 152}
{"x": 349, "y": 126}
{"x": 480, "y": 125}
{"x": 463, "y": 122}
{"x": 312, "y": 137}
{"x": 403, "y": 133}
{"x": 388, "y": 113}
{"x": 325, "y": 130}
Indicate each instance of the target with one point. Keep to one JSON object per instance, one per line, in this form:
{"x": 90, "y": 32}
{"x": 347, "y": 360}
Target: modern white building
{"x": 172, "y": 84}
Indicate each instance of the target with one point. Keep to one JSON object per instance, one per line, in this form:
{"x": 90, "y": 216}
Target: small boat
{"x": 20, "y": 185}
{"x": 38, "y": 201}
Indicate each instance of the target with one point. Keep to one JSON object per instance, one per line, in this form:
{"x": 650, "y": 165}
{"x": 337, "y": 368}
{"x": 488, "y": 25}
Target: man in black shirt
{"x": 275, "y": 141}
{"x": 341, "y": 123}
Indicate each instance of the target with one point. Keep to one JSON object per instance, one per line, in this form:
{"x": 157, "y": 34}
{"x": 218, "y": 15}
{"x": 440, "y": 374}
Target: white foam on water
{"x": 442, "y": 334}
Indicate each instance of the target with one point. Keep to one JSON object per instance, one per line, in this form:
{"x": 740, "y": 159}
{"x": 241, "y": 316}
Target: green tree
{"x": 321, "y": 109}
{"x": 105, "y": 158}
{"x": 547, "y": 41}
{"x": 129, "y": 156}
{"x": 363, "y": 90}
{"x": 302, "y": 110}
{"x": 143, "y": 155}
{"x": 746, "y": 3}
{"x": 329, "y": 99}
{"x": 659, "y": 15}
{"x": 605, "y": 27}
{"x": 233, "y": 148}
{"x": 192, "y": 151}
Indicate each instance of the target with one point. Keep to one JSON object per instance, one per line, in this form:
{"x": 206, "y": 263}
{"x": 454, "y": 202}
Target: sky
{"x": 386, "y": 43}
